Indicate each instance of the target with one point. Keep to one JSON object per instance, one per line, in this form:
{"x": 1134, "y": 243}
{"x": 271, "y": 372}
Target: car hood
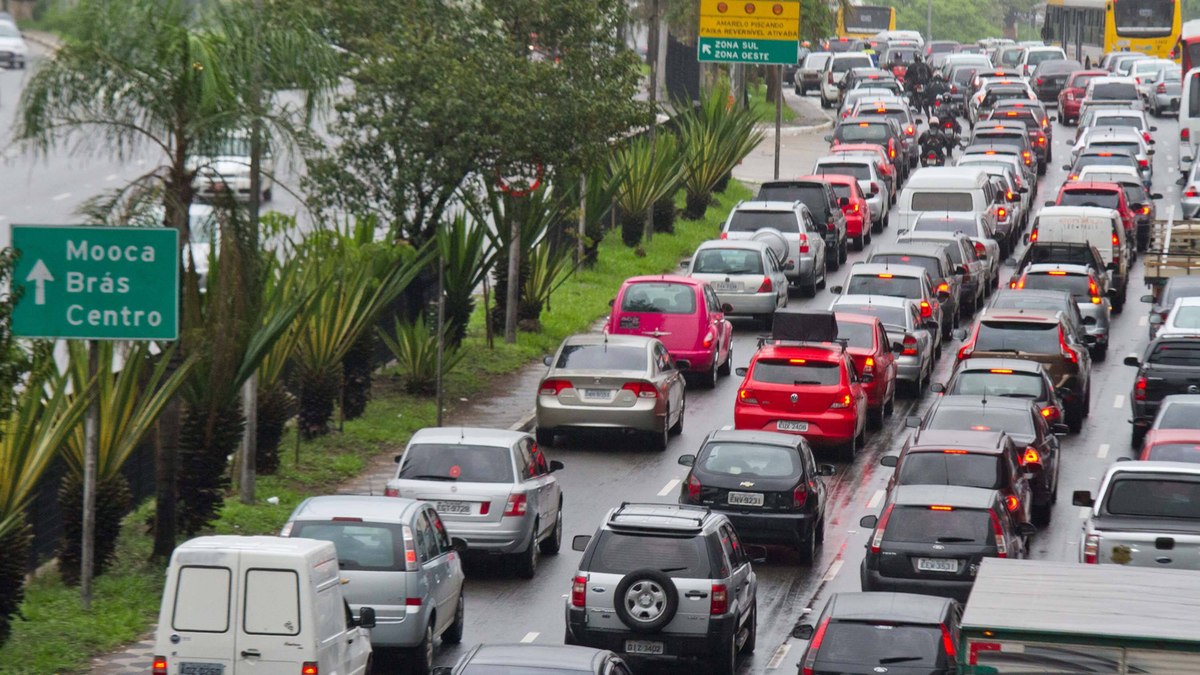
{"x": 13, "y": 45}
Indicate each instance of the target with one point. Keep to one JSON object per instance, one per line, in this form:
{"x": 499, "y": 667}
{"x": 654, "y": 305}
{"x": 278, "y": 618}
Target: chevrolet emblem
{"x": 747, "y": 483}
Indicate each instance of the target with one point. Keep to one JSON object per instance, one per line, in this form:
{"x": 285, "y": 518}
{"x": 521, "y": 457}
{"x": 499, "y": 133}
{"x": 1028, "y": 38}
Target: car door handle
{"x": 248, "y": 653}
{"x": 695, "y": 594}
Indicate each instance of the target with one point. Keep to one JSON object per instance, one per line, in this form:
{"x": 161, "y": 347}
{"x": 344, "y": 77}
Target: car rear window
{"x": 928, "y": 263}
{"x": 1005, "y": 419}
{"x": 1129, "y": 147}
{"x": 841, "y": 190}
{"x": 1106, "y": 160}
{"x": 753, "y": 221}
{"x": 1114, "y": 91}
{"x": 1186, "y": 317}
{"x": 887, "y": 314}
{"x": 857, "y": 334}
{"x": 1018, "y": 140}
{"x": 884, "y": 284}
{"x": 1178, "y": 415}
{"x": 1154, "y": 497}
{"x": 360, "y": 546}
{"x": 844, "y": 63}
{"x": 942, "y": 201}
{"x": 859, "y": 171}
{"x": 1037, "y": 57}
{"x": 749, "y": 459}
{"x": 1017, "y": 336}
{"x": 797, "y": 371}
{"x": 1049, "y": 252}
{"x": 967, "y": 227}
{"x": 950, "y": 468}
{"x": 862, "y": 642}
{"x": 813, "y": 196}
{"x": 862, "y": 131}
{"x": 963, "y": 75}
{"x": 727, "y": 261}
{"x": 925, "y": 525}
{"x": 601, "y": 357}
{"x": 1025, "y": 116}
{"x": 1105, "y": 199}
{"x": 1082, "y": 81}
{"x": 998, "y": 382}
{"x": 1176, "y": 353}
{"x": 659, "y": 298}
{"x": 457, "y": 463}
{"x": 1117, "y": 121}
{"x": 1175, "y": 452}
{"x": 1173, "y": 292}
{"x": 1075, "y": 284}
{"x": 624, "y": 552}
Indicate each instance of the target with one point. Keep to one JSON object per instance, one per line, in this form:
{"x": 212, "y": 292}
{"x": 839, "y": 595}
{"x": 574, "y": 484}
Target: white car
{"x": 1189, "y": 195}
{"x": 976, "y": 101}
{"x": 1032, "y": 56}
{"x": 1145, "y": 71}
{"x": 1184, "y": 318}
{"x": 835, "y": 73}
{"x": 1014, "y": 168}
{"x": 225, "y": 169}
{"x": 14, "y": 53}
{"x": 1117, "y": 138}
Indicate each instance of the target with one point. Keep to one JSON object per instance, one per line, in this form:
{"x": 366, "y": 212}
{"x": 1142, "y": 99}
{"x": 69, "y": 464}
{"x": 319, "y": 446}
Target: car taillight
{"x": 747, "y": 396}
{"x": 1065, "y": 348}
{"x": 159, "y": 666}
{"x": 1070, "y": 96}
{"x": 910, "y": 346}
{"x": 877, "y": 537}
{"x": 719, "y": 604}
{"x": 1031, "y": 456}
{"x": 485, "y": 508}
{"x": 1002, "y": 213}
{"x": 1041, "y": 140}
{"x": 1146, "y": 136}
{"x": 391, "y": 492}
{"x": 829, "y": 77}
{"x": 724, "y": 235}
{"x": 1143, "y": 163}
{"x": 1028, "y": 158}
{"x": 766, "y": 286}
{"x": 810, "y": 658}
{"x": 579, "y": 591}
{"x": 843, "y": 402}
{"x": 910, "y": 130}
{"x": 869, "y": 365}
{"x": 1191, "y": 192}
{"x": 1145, "y": 210}
{"x": 804, "y": 243}
{"x": 1001, "y": 543}
{"x": 516, "y": 506}
{"x": 410, "y": 549}
{"x": 1012, "y": 503}
{"x": 310, "y": 668}
{"x": 554, "y": 387}
{"x": 799, "y": 495}
{"x": 926, "y": 309}
{"x": 1009, "y": 195}
{"x": 954, "y": 89}
{"x": 1139, "y": 389}
{"x": 1185, "y": 134}
{"x": 1039, "y": 82}
{"x": 644, "y": 389}
{"x": 980, "y": 249}
{"x": 1094, "y": 291}
{"x": 965, "y": 351}
{"x": 1050, "y": 412}
{"x": 1161, "y": 88}
{"x": 1091, "y": 548}
{"x": 709, "y": 338}
{"x": 948, "y": 644}
{"x": 693, "y": 489}
{"x": 943, "y": 287}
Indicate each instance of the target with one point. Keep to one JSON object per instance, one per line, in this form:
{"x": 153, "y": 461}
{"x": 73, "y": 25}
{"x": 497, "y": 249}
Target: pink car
{"x": 684, "y": 314}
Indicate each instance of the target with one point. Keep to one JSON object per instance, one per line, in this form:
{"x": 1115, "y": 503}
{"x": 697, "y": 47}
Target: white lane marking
{"x": 833, "y": 570}
{"x": 1119, "y": 401}
{"x": 1143, "y": 320}
{"x": 876, "y": 498}
{"x": 670, "y": 486}
{"x": 1102, "y": 452}
{"x": 530, "y": 637}
{"x": 777, "y": 657}
{"x": 1085, "y": 511}
{"x": 61, "y": 196}
{"x": 111, "y": 176}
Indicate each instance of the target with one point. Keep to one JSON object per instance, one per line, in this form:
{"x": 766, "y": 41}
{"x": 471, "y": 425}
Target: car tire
{"x": 527, "y": 560}
{"x": 370, "y": 667}
{"x": 877, "y": 225}
{"x": 420, "y": 657}
{"x": 454, "y": 633}
{"x": 1075, "y": 418}
{"x": 654, "y": 586}
{"x": 808, "y": 547}
{"x": 864, "y": 240}
{"x": 553, "y": 544}
{"x": 677, "y": 428}
{"x": 808, "y": 290}
{"x": 1136, "y": 437}
{"x": 727, "y": 366}
{"x": 847, "y": 451}
{"x": 843, "y": 252}
{"x": 709, "y": 380}
{"x": 832, "y": 260}
{"x": 875, "y": 418}
{"x": 860, "y": 243}
{"x": 890, "y": 405}
{"x": 658, "y": 439}
{"x": 1100, "y": 354}
{"x": 726, "y": 664}
{"x": 752, "y": 637}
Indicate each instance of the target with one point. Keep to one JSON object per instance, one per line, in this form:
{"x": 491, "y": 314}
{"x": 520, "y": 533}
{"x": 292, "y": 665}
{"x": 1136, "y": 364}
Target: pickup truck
{"x": 1169, "y": 365}
{"x": 1146, "y": 514}
{"x": 1173, "y": 250}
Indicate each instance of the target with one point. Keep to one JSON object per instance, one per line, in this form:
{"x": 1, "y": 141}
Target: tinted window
{"x": 1176, "y": 354}
{"x": 1075, "y": 284}
{"x": 845, "y": 63}
{"x": 660, "y": 298}
{"x": 1155, "y": 497}
{"x": 1106, "y": 199}
{"x": 896, "y": 287}
{"x": 1175, "y": 291}
{"x": 745, "y": 459}
{"x": 1082, "y": 81}
{"x": 463, "y": 463}
{"x": 493, "y": 669}
{"x": 859, "y": 171}
{"x": 622, "y": 553}
{"x": 1037, "y": 57}
{"x": 841, "y": 191}
{"x": 601, "y": 357}
{"x": 1010, "y": 57}
{"x": 923, "y": 525}
{"x": 1017, "y": 336}
{"x": 847, "y": 642}
{"x": 1114, "y": 91}
{"x": 1129, "y": 148}
{"x": 986, "y": 383}
{"x": 888, "y": 315}
{"x": 857, "y": 334}
{"x": 1050, "y": 252}
{"x": 967, "y": 227}
{"x": 1117, "y": 121}
{"x": 1178, "y": 415}
{"x": 727, "y": 261}
{"x": 813, "y": 196}
{"x": 1175, "y": 452}
{"x": 360, "y": 546}
{"x": 779, "y": 371}
{"x": 937, "y": 468}
{"x": 861, "y": 131}
{"x": 927, "y": 263}
{"x": 867, "y": 19}
{"x": 1019, "y": 141}
{"x": 942, "y": 201}
{"x": 752, "y": 221}
{"x": 1017, "y": 422}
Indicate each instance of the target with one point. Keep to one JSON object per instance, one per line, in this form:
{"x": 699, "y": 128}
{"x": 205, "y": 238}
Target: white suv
{"x": 835, "y": 72}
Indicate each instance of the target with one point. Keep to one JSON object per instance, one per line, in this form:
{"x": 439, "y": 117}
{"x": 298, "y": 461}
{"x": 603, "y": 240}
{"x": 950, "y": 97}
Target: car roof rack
{"x": 684, "y": 517}
{"x": 808, "y": 329}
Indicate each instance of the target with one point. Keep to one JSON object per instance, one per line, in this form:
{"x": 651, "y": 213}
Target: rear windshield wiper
{"x": 800, "y": 382}
{"x": 954, "y": 540}
{"x": 429, "y": 476}
{"x": 899, "y": 659}
{"x": 1032, "y": 396}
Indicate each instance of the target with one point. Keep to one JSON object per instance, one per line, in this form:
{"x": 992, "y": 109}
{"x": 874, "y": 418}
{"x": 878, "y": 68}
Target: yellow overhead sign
{"x": 750, "y": 19}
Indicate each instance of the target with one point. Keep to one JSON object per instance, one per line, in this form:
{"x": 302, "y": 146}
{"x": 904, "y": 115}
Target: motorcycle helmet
{"x": 933, "y": 122}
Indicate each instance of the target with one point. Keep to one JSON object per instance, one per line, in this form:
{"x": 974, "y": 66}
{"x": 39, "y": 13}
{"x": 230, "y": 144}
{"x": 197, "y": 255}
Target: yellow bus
{"x": 1087, "y": 29}
{"x": 863, "y": 21}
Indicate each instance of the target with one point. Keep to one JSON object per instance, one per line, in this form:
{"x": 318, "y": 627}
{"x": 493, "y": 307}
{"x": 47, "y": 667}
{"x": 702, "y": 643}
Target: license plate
{"x": 744, "y": 499}
{"x": 792, "y": 426}
{"x": 201, "y": 669}
{"x": 726, "y": 286}
{"x": 597, "y": 394}
{"x": 454, "y": 507}
{"x": 643, "y": 647}
{"x": 937, "y": 565}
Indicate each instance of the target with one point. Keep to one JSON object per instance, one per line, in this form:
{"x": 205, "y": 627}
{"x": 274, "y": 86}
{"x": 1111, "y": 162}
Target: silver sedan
{"x": 745, "y": 275}
{"x": 901, "y": 319}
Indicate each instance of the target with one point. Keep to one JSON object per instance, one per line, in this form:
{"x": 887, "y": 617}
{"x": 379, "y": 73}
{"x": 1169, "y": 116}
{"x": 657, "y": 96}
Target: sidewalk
{"x": 798, "y": 144}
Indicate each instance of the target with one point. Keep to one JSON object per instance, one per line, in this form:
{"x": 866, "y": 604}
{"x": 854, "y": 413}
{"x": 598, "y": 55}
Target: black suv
{"x": 767, "y": 483}
{"x": 1170, "y": 365}
{"x": 898, "y": 633}
{"x": 932, "y": 538}
{"x": 824, "y": 206}
{"x": 665, "y": 582}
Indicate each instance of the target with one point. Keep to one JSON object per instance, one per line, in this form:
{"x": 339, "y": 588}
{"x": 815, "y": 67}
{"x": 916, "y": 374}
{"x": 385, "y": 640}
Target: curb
{"x": 526, "y": 423}
{"x": 45, "y": 40}
{"x": 769, "y": 130}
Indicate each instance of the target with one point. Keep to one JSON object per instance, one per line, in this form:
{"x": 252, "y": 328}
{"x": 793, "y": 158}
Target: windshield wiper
{"x": 799, "y": 382}
{"x": 429, "y": 476}
{"x": 1033, "y": 396}
{"x": 954, "y": 540}
{"x": 899, "y": 659}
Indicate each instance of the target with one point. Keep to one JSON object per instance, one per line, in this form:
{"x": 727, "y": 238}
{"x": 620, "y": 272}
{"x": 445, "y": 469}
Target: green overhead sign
{"x": 96, "y": 283}
{"x": 722, "y": 50}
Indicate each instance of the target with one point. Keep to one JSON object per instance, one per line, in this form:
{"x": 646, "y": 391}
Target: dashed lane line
{"x": 1143, "y": 320}
{"x": 1119, "y": 401}
{"x": 778, "y": 656}
{"x": 61, "y": 196}
{"x": 833, "y": 570}
{"x": 669, "y": 487}
{"x": 530, "y": 637}
{"x": 876, "y": 499}
{"x": 1102, "y": 452}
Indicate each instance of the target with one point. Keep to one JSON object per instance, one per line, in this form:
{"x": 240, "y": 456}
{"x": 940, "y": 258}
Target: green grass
{"x": 56, "y": 636}
{"x": 764, "y": 110}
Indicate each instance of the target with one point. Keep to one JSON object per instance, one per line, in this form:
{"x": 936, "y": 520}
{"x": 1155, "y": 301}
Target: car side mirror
{"x": 789, "y": 265}
{"x": 1023, "y": 190}
{"x": 959, "y": 333}
{"x": 829, "y": 138}
{"x": 1053, "y": 118}
{"x": 547, "y": 361}
{"x": 1026, "y": 529}
{"x": 366, "y": 617}
{"x": 1049, "y": 203}
{"x": 397, "y": 458}
{"x": 727, "y": 308}
{"x": 1066, "y": 167}
{"x": 1111, "y": 267}
{"x": 580, "y": 542}
{"x": 460, "y": 546}
{"x": 1156, "y": 195}
{"x": 912, "y": 422}
{"x": 930, "y": 324}
{"x": 612, "y": 301}
{"x": 556, "y": 465}
{"x": 1149, "y": 151}
{"x": 1155, "y": 319}
{"x": 683, "y": 264}
{"x": 1010, "y": 262}
{"x": 1025, "y": 237}
{"x": 889, "y": 460}
{"x": 686, "y": 460}
{"x": 741, "y": 372}
{"x": 836, "y": 290}
{"x": 938, "y": 388}
{"x": 1082, "y": 498}
{"x": 826, "y": 469}
{"x": 1133, "y": 361}
{"x": 868, "y": 522}
{"x": 803, "y": 632}
{"x": 1147, "y": 298}
{"x": 960, "y": 269}
{"x": 1060, "y": 429}
{"x": 1153, "y": 128}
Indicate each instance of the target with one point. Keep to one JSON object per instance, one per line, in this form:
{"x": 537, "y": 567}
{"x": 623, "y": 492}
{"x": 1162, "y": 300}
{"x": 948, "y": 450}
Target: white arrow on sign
{"x": 705, "y": 49}
{"x": 40, "y": 274}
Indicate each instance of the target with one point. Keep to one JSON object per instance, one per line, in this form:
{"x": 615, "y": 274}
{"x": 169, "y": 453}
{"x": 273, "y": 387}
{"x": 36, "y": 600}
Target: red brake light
{"x": 160, "y": 665}
{"x": 310, "y": 668}
{"x": 1012, "y": 503}
{"x": 1116, "y": 241}
{"x": 1161, "y": 88}
{"x": 1094, "y": 291}
{"x": 554, "y": 387}
{"x": 980, "y": 249}
{"x": 1145, "y": 210}
{"x": 579, "y": 591}
{"x": 645, "y": 389}
{"x": 517, "y": 505}
{"x": 709, "y": 337}
{"x": 1146, "y": 136}
{"x": 1057, "y": 273}
{"x": 943, "y": 287}
{"x": 877, "y": 538}
{"x": 747, "y": 396}
{"x": 719, "y": 603}
{"x": 811, "y": 658}
{"x": 693, "y": 490}
{"x": 869, "y": 365}
{"x": 910, "y": 130}
{"x": 841, "y": 404}
{"x": 1001, "y": 543}
{"x": 1031, "y": 456}
{"x": 884, "y": 275}
{"x": 1139, "y": 389}
{"x": 965, "y": 351}
{"x": 391, "y": 492}
{"x": 412, "y": 602}
{"x": 1143, "y": 163}
{"x": 804, "y": 243}
{"x": 948, "y": 644}
{"x": 1066, "y": 349}
{"x": 1091, "y": 549}
{"x": 800, "y": 495}
{"x": 1039, "y": 82}
{"x": 926, "y": 309}
{"x": 766, "y": 286}
{"x": 952, "y": 451}
{"x": 1191, "y": 192}
{"x": 910, "y": 346}
{"x": 724, "y": 235}
{"x": 1002, "y": 213}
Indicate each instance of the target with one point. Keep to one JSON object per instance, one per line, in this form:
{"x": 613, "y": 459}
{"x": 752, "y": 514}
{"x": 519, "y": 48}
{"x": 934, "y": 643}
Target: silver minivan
{"x": 396, "y": 556}
{"x": 789, "y": 230}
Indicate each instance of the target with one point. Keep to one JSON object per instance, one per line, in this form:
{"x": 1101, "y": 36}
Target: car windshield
{"x": 624, "y": 552}
{"x": 601, "y": 357}
{"x": 1114, "y": 91}
{"x": 887, "y": 314}
{"x": 859, "y": 171}
{"x": 1186, "y": 316}
{"x": 457, "y": 462}
{"x": 797, "y": 372}
{"x": 953, "y": 467}
{"x": 749, "y": 459}
{"x": 1146, "y": 18}
{"x": 884, "y": 284}
{"x": 867, "y": 643}
{"x": 927, "y": 525}
{"x": 998, "y": 382}
{"x": 7, "y": 30}
{"x": 727, "y": 261}
{"x": 1178, "y": 415}
{"x": 753, "y": 221}
{"x": 862, "y": 131}
{"x": 1078, "y": 285}
{"x": 939, "y": 224}
{"x": 656, "y": 297}
{"x": 1117, "y": 121}
{"x": 1154, "y": 497}
{"x": 1175, "y": 452}
{"x": 1176, "y": 353}
{"x": 1017, "y": 337}
{"x": 813, "y": 196}
{"x": 1106, "y": 199}
{"x": 857, "y": 334}
{"x": 928, "y": 263}
{"x": 1037, "y": 57}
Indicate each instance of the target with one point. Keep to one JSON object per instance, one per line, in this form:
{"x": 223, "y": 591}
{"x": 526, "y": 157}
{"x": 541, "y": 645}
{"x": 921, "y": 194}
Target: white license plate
{"x": 454, "y": 507}
{"x": 744, "y": 498}
{"x": 597, "y": 394}
{"x": 937, "y": 565}
{"x": 643, "y": 647}
{"x": 201, "y": 669}
{"x": 785, "y": 425}
{"x": 726, "y": 286}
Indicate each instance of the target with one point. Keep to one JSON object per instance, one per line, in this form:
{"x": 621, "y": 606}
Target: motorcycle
{"x": 933, "y": 158}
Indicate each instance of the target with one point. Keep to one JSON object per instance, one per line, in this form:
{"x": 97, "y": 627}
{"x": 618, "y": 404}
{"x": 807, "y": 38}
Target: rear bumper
{"x": 824, "y": 429}
{"x": 1068, "y": 109}
{"x": 874, "y": 581}
{"x": 908, "y": 368}
{"x": 510, "y": 535}
{"x": 712, "y": 643}
{"x": 1167, "y": 101}
{"x": 805, "y": 272}
{"x": 789, "y": 529}
{"x": 749, "y": 303}
{"x": 641, "y": 416}
{"x": 855, "y": 226}
{"x": 395, "y": 627}
{"x": 698, "y": 361}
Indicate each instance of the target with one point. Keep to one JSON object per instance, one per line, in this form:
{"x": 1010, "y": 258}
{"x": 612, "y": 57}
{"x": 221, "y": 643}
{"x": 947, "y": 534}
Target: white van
{"x": 1189, "y": 119}
{"x": 944, "y": 189}
{"x": 1099, "y": 227}
{"x": 260, "y": 605}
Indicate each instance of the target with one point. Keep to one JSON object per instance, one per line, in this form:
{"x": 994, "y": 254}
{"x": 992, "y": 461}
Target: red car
{"x": 1105, "y": 195}
{"x": 1071, "y": 97}
{"x": 871, "y": 348}
{"x": 684, "y": 314}
{"x": 1171, "y": 445}
{"x": 853, "y": 203}
{"x": 885, "y": 165}
{"x": 807, "y": 388}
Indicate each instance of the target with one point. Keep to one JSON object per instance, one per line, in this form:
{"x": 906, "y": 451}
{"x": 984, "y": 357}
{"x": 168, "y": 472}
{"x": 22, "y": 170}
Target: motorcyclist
{"x": 916, "y": 80}
{"x": 951, "y": 129}
{"x": 937, "y": 87}
{"x": 934, "y": 142}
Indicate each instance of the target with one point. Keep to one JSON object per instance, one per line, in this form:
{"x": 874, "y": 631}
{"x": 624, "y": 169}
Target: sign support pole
{"x": 91, "y": 441}
{"x": 441, "y": 332}
{"x": 778, "y": 114}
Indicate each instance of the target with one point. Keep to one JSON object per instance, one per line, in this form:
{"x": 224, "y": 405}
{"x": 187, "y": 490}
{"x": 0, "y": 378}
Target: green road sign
{"x": 724, "y": 50}
{"x": 96, "y": 283}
